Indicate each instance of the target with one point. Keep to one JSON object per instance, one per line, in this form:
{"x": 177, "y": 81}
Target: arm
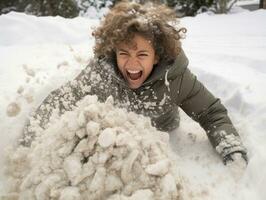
{"x": 58, "y": 102}
{"x": 204, "y": 108}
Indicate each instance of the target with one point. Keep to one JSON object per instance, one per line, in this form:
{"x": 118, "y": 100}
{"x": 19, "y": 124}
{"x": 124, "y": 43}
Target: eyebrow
{"x": 140, "y": 51}
{"x": 122, "y": 50}
{"x": 143, "y": 51}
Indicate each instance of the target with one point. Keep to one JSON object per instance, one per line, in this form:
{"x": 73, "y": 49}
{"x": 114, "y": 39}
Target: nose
{"x": 132, "y": 62}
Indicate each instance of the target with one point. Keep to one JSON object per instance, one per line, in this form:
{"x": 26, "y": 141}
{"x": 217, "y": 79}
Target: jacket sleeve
{"x": 57, "y": 102}
{"x": 208, "y": 110}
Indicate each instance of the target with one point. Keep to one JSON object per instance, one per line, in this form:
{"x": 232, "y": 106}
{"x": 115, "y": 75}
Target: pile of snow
{"x": 96, "y": 151}
{"x": 55, "y": 30}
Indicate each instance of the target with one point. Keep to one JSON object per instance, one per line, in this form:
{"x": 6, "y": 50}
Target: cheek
{"x": 149, "y": 65}
{"x": 120, "y": 67}
{"x": 120, "y": 63}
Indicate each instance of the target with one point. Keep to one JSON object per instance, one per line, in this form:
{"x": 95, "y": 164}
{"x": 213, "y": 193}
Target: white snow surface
{"x": 247, "y": 2}
{"x": 226, "y": 52}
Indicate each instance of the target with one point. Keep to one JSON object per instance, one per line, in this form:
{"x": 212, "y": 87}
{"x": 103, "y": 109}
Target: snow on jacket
{"x": 170, "y": 85}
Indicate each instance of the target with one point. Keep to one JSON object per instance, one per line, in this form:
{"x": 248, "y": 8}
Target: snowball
{"x": 72, "y": 167}
{"x": 126, "y": 174}
{"x": 112, "y": 183}
{"x": 82, "y": 146}
{"x": 13, "y": 109}
{"x": 43, "y": 189}
{"x": 70, "y": 193}
{"x": 92, "y": 111}
{"x": 81, "y": 119}
{"x": 142, "y": 194}
{"x": 98, "y": 179}
{"x": 81, "y": 133}
{"x": 93, "y": 128}
{"x": 122, "y": 139}
{"x": 139, "y": 194}
{"x": 20, "y": 90}
{"x": 109, "y": 101}
{"x": 107, "y": 138}
{"x": 29, "y": 71}
{"x": 158, "y": 169}
{"x": 29, "y": 98}
{"x": 168, "y": 186}
{"x": 72, "y": 124}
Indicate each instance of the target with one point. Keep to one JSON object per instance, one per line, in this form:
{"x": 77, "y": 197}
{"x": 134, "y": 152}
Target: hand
{"x": 237, "y": 164}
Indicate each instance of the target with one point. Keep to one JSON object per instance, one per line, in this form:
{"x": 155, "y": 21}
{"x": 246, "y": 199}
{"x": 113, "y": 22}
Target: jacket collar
{"x": 173, "y": 69}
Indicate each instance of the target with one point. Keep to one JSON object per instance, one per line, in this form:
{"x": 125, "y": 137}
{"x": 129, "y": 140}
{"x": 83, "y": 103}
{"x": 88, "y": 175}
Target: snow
{"x": 166, "y": 82}
{"x": 101, "y": 169}
{"x": 227, "y": 52}
{"x": 247, "y": 2}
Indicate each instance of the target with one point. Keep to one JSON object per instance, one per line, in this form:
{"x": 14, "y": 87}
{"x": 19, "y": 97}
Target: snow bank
{"x": 96, "y": 151}
{"x": 44, "y": 30}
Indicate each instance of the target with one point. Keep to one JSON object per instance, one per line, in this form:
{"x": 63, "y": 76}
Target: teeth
{"x": 133, "y": 71}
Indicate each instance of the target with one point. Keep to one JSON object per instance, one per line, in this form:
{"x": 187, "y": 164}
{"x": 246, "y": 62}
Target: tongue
{"x": 134, "y": 76}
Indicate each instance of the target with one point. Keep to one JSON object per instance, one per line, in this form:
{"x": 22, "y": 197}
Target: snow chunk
{"x": 29, "y": 71}
{"x": 159, "y": 169}
{"x": 13, "y": 109}
{"x": 72, "y": 167}
{"x": 107, "y": 138}
{"x": 70, "y": 193}
{"x": 96, "y": 151}
{"x": 93, "y": 128}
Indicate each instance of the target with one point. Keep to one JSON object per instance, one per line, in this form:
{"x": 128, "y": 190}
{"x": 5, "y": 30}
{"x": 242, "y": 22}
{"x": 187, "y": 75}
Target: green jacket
{"x": 170, "y": 85}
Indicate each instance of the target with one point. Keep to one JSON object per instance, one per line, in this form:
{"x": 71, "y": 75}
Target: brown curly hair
{"x": 151, "y": 21}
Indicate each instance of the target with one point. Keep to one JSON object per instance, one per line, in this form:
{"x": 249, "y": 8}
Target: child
{"x": 140, "y": 62}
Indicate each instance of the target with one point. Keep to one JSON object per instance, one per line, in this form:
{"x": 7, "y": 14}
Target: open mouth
{"x": 134, "y": 74}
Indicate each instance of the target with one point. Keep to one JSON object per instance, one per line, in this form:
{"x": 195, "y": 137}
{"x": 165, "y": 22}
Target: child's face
{"x": 136, "y": 61}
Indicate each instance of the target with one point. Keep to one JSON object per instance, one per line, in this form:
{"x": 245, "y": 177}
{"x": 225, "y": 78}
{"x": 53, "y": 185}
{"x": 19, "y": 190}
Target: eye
{"x": 122, "y": 54}
{"x": 143, "y": 55}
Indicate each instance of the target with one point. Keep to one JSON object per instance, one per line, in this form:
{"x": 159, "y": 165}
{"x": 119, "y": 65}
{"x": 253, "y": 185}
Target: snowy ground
{"x": 247, "y": 2}
{"x": 227, "y": 52}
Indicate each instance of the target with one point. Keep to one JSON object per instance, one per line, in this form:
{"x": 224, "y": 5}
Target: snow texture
{"x": 94, "y": 152}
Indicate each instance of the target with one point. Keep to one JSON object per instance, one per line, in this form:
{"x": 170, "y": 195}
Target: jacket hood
{"x": 173, "y": 69}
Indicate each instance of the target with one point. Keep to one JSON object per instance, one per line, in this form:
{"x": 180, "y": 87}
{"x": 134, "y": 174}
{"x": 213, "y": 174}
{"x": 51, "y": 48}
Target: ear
{"x": 156, "y": 59}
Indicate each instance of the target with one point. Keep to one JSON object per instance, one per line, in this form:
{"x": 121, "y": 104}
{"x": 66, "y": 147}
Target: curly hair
{"x": 151, "y": 21}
